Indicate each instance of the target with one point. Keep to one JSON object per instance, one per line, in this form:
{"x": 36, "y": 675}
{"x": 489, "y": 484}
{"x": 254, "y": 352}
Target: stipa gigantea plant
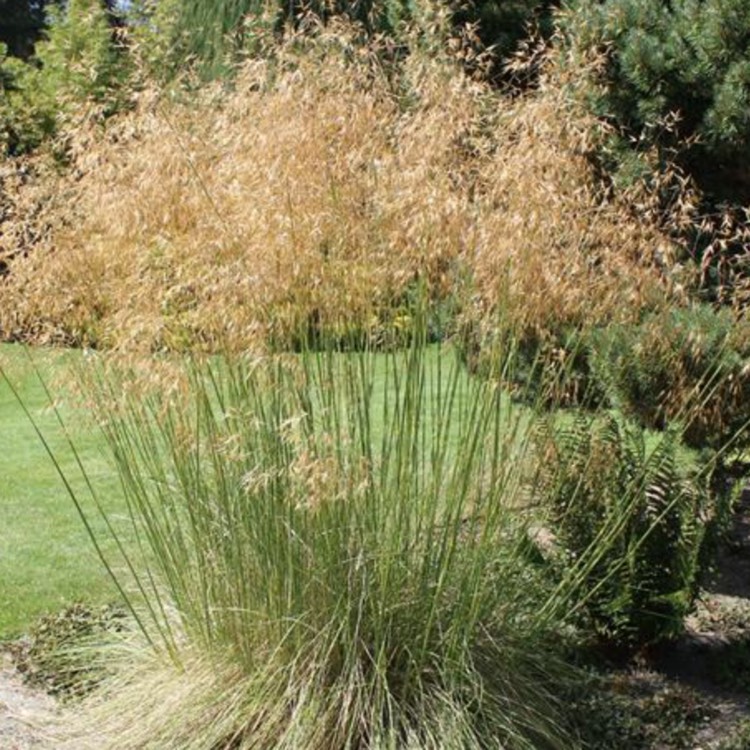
{"x": 309, "y": 198}
{"x": 334, "y": 554}
{"x": 311, "y": 194}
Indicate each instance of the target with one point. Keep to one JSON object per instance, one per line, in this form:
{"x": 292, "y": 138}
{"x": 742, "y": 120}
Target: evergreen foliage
{"x": 76, "y": 62}
{"x": 677, "y": 75}
{"x": 681, "y": 366}
{"x": 212, "y": 34}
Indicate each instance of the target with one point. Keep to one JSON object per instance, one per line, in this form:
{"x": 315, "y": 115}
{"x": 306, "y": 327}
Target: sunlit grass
{"x": 46, "y": 559}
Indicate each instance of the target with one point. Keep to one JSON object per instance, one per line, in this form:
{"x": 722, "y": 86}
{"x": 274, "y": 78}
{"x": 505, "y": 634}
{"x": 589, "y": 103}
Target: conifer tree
{"x": 688, "y": 60}
{"x": 76, "y": 61}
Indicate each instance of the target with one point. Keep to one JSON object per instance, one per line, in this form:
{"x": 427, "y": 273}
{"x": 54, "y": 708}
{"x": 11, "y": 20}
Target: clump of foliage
{"x": 342, "y": 550}
{"x": 335, "y": 559}
{"x": 601, "y": 481}
{"x": 305, "y": 202}
{"x": 682, "y": 365}
{"x": 548, "y": 367}
{"x": 738, "y": 739}
{"x": 675, "y": 75}
{"x": 208, "y": 36}
{"x": 76, "y": 65}
{"x": 563, "y": 256}
{"x": 56, "y": 654}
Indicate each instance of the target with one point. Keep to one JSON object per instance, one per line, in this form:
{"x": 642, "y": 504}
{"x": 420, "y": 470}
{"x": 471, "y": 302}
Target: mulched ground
{"x": 713, "y": 656}
{"x": 25, "y": 714}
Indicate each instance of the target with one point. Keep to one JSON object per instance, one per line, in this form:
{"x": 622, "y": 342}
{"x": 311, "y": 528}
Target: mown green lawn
{"x": 46, "y": 559}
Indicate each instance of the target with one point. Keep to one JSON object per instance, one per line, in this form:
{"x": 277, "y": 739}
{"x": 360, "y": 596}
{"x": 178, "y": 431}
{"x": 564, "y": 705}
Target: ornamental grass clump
{"x": 304, "y": 202}
{"x": 366, "y": 551}
{"x": 332, "y": 552}
{"x": 308, "y": 201}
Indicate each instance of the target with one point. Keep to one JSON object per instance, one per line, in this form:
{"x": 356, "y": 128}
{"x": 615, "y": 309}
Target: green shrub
{"x": 602, "y": 482}
{"x": 541, "y": 368}
{"x": 683, "y": 62}
{"x": 738, "y": 738}
{"x": 76, "y": 64}
{"x": 201, "y": 33}
{"x": 681, "y": 366}
{"x": 213, "y": 35}
{"x": 27, "y": 116}
{"x": 557, "y": 370}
